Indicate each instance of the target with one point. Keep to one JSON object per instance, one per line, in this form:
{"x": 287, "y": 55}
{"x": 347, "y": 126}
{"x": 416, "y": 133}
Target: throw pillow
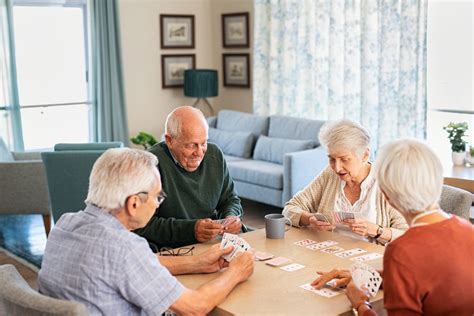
{"x": 238, "y": 144}
{"x": 273, "y": 149}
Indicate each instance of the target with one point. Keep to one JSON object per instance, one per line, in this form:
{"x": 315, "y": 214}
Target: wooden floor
{"x": 254, "y": 213}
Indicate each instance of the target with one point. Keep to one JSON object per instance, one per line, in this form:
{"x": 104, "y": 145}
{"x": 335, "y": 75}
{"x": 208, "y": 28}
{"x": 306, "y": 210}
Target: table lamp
{"x": 201, "y": 84}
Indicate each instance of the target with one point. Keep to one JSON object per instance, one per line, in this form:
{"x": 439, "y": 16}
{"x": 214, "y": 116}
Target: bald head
{"x": 186, "y": 136}
{"x": 182, "y": 119}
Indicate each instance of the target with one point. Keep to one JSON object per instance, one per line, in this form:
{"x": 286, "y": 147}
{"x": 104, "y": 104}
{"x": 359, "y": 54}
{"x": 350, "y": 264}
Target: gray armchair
{"x": 23, "y": 185}
{"x": 456, "y": 201}
{"x": 18, "y": 298}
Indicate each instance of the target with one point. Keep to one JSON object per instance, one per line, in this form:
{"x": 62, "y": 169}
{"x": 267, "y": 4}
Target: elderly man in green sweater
{"x": 200, "y": 189}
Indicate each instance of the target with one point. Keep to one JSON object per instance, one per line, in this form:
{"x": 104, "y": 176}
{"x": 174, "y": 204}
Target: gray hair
{"x": 119, "y": 173}
{"x": 410, "y": 174}
{"x": 174, "y": 124}
{"x": 345, "y": 134}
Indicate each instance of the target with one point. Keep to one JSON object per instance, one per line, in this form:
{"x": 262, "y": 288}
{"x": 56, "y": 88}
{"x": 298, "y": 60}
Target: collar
{"x": 103, "y": 215}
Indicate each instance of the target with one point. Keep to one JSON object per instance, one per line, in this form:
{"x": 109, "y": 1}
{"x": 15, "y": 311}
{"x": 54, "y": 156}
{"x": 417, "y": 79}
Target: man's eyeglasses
{"x": 184, "y": 251}
{"x": 159, "y": 198}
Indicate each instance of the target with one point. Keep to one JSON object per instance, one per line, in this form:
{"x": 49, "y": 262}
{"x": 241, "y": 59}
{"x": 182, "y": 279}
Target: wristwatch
{"x": 379, "y": 232}
{"x": 355, "y": 311}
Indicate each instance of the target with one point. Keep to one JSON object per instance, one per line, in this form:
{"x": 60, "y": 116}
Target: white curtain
{"x": 362, "y": 60}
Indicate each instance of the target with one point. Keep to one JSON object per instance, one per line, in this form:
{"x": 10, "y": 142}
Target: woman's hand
{"x": 343, "y": 277}
{"x": 356, "y": 295}
{"x": 361, "y": 227}
{"x": 320, "y": 225}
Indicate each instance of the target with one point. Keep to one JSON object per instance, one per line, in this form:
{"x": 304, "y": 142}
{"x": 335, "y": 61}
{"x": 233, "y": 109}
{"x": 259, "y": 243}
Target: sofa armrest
{"x": 300, "y": 168}
{"x": 212, "y": 121}
{"x": 24, "y": 188}
{"x": 33, "y": 155}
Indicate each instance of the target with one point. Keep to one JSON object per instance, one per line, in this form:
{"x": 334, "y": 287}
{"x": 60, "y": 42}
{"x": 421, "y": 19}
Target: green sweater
{"x": 207, "y": 192}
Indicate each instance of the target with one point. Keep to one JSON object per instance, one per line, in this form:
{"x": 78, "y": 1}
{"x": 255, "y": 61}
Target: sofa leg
{"x": 47, "y": 223}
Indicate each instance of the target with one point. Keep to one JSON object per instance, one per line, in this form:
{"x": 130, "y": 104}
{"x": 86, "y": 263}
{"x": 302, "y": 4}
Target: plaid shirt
{"x": 93, "y": 259}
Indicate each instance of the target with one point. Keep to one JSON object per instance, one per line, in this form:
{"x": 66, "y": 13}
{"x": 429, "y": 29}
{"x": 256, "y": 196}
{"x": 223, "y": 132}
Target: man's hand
{"x": 205, "y": 230}
{"x": 243, "y": 265}
{"x": 319, "y": 225}
{"x": 232, "y": 225}
{"x": 343, "y": 278}
{"x": 356, "y": 295}
{"x": 211, "y": 260}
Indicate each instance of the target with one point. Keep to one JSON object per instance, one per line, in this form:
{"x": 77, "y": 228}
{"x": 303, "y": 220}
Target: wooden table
{"x": 459, "y": 176}
{"x": 272, "y": 291}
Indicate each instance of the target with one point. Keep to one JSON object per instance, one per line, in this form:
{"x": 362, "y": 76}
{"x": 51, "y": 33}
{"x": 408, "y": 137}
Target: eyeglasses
{"x": 184, "y": 251}
{"x": 159, "y": 198}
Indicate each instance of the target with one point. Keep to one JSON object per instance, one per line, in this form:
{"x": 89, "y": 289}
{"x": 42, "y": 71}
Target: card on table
{"x": 350, "y": 252}
{"x": 292, "y": 267}
{"x": 278, "y": 261}
{"x": 321, "y": 245}
{"x": 260, "y": 255}
{"x": 367, "y": 257}
{"x": 304, "y": 242}
{"x": 326, "y": 292}
{"x": 332, "y": 250}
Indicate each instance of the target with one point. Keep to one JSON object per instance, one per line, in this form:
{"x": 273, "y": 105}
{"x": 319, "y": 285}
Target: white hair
{"x": 410, "y": 174}
{"x": 344, "y": 134}
{"x": 119, "y": 173}
{"x": 174, "y": 124}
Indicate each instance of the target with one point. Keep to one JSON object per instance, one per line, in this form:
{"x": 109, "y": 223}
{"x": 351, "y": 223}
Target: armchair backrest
{"x": 18, "y": 298}
{"x": 67, "y": 174}
{"x": 456, "y": 201}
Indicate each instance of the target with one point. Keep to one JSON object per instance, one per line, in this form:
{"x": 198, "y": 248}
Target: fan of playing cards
{"x": 240, "y": 245}
{"x": 365, "y": 276}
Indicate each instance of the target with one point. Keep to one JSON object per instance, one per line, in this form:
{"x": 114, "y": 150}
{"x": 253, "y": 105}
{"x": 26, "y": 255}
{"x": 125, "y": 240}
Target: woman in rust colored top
{"x": 428, "y": 270}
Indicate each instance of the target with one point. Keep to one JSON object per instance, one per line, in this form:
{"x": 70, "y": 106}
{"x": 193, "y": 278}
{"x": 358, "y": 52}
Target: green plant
{"x": 456, "y": 131}
{"x": 144, "y": 139}
{"x": 472, "y": 152}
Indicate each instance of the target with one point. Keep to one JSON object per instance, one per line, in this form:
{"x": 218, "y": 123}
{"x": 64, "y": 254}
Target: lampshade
{"x": 200, "y": 83}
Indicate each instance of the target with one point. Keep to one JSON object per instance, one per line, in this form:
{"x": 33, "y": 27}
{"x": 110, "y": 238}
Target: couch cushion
{"x": 238, "y": 144}
{"x": 5, "y": 154}
{"x": 257, "y": 172}
{"x": 229, "y": 158}
{"x": 294, "y": 128}
{"x": 239, "y": 121}
{"x": 272, "y": 149}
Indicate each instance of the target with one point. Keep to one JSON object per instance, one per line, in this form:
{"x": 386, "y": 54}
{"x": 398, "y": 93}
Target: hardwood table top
{"x": 272, "y": 291}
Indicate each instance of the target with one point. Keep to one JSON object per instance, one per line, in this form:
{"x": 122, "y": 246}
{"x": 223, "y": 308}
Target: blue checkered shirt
{"x": 92, "y": 258}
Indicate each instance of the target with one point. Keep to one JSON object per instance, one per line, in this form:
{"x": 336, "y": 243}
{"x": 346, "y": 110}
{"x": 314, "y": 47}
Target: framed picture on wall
{"x": 235, "y": 29}
{"x": 177, "y": 31}
{"x": 236, "y": 70}
{"x": 173, "y": 67}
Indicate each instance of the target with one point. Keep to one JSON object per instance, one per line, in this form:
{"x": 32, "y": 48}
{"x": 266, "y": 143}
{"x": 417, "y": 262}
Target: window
{"x": 51, "y": 61}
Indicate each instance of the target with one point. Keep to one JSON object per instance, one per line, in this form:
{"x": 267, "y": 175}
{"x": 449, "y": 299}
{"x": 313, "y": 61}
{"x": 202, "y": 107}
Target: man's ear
{"x": 168, "y": 140}
{"x": 133, "y": 202}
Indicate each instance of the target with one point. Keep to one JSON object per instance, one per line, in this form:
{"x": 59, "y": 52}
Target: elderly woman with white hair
{"x": 428, "y": 270}
{"x": 346, "y": 185}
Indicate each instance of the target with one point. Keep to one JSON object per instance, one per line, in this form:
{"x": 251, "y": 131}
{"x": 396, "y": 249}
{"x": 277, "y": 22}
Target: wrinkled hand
{"x": 211, "y": 260}
{"x": 232, "y": 225}
{"x": 205, "y": 229}
{"x": 356, "y": 295}
{"x": 319, "y": 225}
{"x": 343, "y": 278}
{"x": 243, "y": 264}
{"x": 361, "y": 227}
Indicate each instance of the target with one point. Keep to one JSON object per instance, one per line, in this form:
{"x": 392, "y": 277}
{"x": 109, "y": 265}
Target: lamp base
{"x": 209, "y": 107}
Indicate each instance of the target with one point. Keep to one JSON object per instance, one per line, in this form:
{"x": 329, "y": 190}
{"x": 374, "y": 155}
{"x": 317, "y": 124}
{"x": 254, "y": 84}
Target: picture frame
{"x": 235, "y": 30}
{"x": 236, "y": 69}
{"x": 173, "y": 67}
{"x": 176, "y": 31}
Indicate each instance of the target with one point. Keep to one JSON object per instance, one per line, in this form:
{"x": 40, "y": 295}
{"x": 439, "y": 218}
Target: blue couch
{"x": 270, "y": 158}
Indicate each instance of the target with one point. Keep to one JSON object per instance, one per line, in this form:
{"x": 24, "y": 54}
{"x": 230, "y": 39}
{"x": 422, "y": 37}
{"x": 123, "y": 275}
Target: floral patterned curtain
{"x": 362, "y": 60}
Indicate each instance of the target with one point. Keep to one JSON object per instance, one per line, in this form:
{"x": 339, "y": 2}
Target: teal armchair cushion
{"x": 87, "y": 146}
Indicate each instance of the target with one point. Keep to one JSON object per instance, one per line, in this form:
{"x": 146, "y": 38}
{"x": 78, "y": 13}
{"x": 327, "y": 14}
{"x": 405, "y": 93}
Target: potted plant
{"x": 456, "y": 132}
{"x": 144, "y": 139}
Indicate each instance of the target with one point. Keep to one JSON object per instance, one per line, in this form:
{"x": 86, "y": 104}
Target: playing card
{"x": 332, "y": 249}
{"x": 367, "y": 257}
{"x": 350, "y": 252}
{"x": 365, "y": 276}
{"x": 278, "y": 261}
{"x": 321, "y": 245}
{"x": 304, "y": 242}
{"x": 326, "y": 292}
{"x": 321, "y": 217}
{"x": 341, "y": 216}
{"x": 292, "y": 267}
{"x": 236, "y": 241}
{"x": 260, "y": 255}
{"x": 219, "y": 221}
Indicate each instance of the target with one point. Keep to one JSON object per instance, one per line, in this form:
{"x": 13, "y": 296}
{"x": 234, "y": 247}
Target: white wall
{"x": 147, "y": 103}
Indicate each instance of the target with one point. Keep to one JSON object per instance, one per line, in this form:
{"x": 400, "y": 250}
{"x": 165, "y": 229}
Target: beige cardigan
{"x": 320, "y": 195}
